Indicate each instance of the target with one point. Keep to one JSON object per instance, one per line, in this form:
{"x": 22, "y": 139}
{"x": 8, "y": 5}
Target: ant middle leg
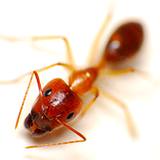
{"x": 70, "y": 65}
{"x": 127, "y": 70}
{"x": 33, "y": 39}
{"x": 119, "y": 72}
{"x": 18, "y": 79}
{"x": 52, "y": 37}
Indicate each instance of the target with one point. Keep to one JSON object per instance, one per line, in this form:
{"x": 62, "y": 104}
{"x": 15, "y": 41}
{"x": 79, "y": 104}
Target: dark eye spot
{"x": 70, "y": 115}
{"x": 48, "y": 92}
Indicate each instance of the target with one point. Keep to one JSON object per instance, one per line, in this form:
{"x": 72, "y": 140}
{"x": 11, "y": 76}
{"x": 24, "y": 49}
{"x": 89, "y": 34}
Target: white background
{"x": 104, "y": 126}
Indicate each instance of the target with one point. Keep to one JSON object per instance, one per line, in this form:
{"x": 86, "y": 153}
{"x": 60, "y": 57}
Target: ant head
{"x": 57, "y": 101}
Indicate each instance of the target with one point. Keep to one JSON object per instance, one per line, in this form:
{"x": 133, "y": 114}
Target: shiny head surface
{"x": 58, "y": 101}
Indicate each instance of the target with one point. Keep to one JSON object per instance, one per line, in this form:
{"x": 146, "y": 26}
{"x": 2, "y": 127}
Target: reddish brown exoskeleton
{"x": 59, "y": 102}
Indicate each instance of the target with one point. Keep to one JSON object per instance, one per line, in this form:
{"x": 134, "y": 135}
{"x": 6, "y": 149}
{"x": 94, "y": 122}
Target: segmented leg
{"x": 44, "y": 38}
{"x": 70, "y": 66}
{"x": 123, "y": 106}
{"x": 118, "y": 72}
{"x": 127, "y": 70}
{"x": 16, "y": 80}
{"x": 95, "y": 93}
{"x": 61, "y": 143}
{"x": 63, "y": 38}
{"x": 94, "y": 47}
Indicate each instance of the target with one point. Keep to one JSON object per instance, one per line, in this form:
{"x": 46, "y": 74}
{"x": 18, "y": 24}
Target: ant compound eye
{"x": 48, "y": 92}
{"x": 70, "y": 115}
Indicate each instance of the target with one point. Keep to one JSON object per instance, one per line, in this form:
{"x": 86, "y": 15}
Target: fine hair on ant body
{"x": 59, "y": 102}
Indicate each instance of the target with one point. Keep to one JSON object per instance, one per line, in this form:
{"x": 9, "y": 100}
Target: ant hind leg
{"x": 131, "y": 127}
{"x": 95, "y": 93}
{"x": 94, "y": 47}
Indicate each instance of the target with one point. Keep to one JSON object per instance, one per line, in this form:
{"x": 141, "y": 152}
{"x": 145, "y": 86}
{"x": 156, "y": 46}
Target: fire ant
{"x": 59, "y": 102}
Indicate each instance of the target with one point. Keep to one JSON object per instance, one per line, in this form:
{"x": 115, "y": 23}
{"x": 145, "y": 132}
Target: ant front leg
{"x": 83, "y": 138}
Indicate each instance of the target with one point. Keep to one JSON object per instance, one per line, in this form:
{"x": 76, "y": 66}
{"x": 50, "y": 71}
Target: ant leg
{"x": 95, "y": 92}
{"x": 40, "y": 38}
{"x": 123, "y": 106}
{"x": 94, "y": 47}
{"x": 16, "y": 80}
{"x": 61, "y": 143}
{"x": 26, "y": 93}
{"x": 63, "y": 38}
{"x": 121, "y": 71}
{"x": 11, "y": 38}
{"x": 127, "y": 70}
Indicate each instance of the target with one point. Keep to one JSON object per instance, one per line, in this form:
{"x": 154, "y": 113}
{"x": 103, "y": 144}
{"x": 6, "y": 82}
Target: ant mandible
{"x": 58, "y": 102}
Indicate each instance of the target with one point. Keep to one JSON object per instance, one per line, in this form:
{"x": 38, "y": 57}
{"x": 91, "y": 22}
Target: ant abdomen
{"x": 124, "y": 42}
